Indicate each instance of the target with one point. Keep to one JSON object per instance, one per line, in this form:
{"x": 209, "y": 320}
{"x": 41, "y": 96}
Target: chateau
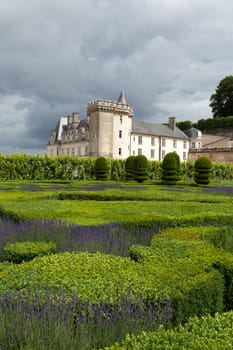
{"x": 110, "y": 130}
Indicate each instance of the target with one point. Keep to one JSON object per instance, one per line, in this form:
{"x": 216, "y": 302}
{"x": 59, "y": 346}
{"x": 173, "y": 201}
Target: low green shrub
{"x": 24, "y": 251}
{"x": 203, "y": 333}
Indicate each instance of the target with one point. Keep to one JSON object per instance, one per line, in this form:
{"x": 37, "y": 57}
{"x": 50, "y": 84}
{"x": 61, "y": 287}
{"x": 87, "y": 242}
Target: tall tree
{"x": 221, "y": 101}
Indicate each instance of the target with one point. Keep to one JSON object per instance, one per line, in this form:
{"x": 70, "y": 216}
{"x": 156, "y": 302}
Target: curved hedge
{"x": 24, "y": 251}
{"x": 203, "y": 333}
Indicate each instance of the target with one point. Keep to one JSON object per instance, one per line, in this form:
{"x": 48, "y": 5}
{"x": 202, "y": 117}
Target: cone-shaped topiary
{"x": 140, "y": 168}
{"x": 129, "y": 168}
{"x": 171, "y": 168}
{"x": 101, "y": 168}
{"x": 202, "y": 168}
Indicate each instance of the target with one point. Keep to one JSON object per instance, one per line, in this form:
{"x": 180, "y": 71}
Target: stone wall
{"x": 224, "y": 155}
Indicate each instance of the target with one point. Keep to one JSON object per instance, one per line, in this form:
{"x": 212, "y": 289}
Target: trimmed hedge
{"x": 25, "y": 167}
{"x": 140, "y": 168}
{"x": 203, "y": 333}
{"x": 193, "y": 289}
{"x": 101, "y": 168}
{"x": 24, "y": 251}
{"x": 129, "y": 174}
{"x": 171, "y": 168}
{"x": 202, "y": 170}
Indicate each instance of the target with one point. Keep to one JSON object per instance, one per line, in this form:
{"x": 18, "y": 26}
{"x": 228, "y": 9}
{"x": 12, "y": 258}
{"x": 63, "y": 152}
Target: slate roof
{"x": 144, "y": 128}
{"x": 122, "y": 98}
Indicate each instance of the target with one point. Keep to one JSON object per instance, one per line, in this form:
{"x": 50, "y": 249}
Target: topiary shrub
{"x": 171, "y": 168}
{"x": 24, "y": 251}
{"x": 140, "y": 168}
{"x": 202, "y": 168}
{"x": 101, "y": 168}
{"x": 129, "y": 174}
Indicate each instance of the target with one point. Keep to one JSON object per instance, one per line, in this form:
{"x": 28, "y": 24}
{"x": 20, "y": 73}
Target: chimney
{"x": 172, "y": 123}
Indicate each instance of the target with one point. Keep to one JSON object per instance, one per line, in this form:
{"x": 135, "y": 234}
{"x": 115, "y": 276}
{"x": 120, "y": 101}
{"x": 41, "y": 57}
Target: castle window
{"x": 134, "y": 138}
{"x": 163, "y": 142}
{"x": 193, "y": 145}
{"x": 133, "y": 153}
{"x": 121, "y": 119}
{"x": 120, "y": 134}
{"x": 140, "y": 140}
{"x": 184, "y": 156}
{"x": 139, "y": 151}
{"x": 152, "y": 141}
{"x": 174, "y": 143}
{"x": 152, "y": 153}
{"x": 163, "y": 153}
{"x": 119, "y": 151}
{"x": 72, "y": 151}
{"x": 185, "y": 144}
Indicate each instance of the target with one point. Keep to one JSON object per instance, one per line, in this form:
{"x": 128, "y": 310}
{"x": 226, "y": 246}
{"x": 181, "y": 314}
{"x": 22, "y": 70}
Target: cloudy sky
{"x": 57, "y": 55}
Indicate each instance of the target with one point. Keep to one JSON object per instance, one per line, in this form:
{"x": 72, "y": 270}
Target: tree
{"x": 185, "y": 125}
{"x": 221, "y": 101}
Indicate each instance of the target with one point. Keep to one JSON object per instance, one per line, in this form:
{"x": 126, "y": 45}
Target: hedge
{"x": 203, "y": 333}
{"x": 25, "y": 251}
{"x": 29, "y": 167}
{"x": 193, "y": 289}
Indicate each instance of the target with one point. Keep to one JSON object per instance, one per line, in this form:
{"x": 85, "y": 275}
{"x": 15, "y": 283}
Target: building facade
{"x": 110, "y": 130}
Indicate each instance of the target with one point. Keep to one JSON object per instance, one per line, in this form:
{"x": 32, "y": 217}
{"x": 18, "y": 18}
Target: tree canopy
{"x": 221, "y": 101}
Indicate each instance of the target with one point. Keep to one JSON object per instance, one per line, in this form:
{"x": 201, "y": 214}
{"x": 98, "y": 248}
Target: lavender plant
{"x": 66, "y": 322}
{"x": 110, "y": 238}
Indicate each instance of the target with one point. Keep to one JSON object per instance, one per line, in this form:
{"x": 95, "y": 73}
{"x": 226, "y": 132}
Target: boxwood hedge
{"x": 203, "y": 333}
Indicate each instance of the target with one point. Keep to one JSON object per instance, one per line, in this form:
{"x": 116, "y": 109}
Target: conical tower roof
{"x": 122, "y": 98}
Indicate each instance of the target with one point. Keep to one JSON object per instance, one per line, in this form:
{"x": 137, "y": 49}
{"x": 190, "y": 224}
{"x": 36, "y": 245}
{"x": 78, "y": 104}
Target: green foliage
{"x": 24, "y": 251}
{"x": 140, "y": 168}
{"x": 184, "y": 125}
{"x": 171, "y": 168}
{"x": 202, "y": 170}
{"x": 101, "y": 168}
{"x": 203, "y": 333}
{"x": 40, "y": 168}
{"x": 214, "y": 124}
{"x": 221, "y": 101}
{"x": 129, "y": 173}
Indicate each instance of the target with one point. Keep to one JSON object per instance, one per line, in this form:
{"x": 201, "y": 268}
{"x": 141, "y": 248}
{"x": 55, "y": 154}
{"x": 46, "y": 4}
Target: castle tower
{"x": 110, "y": 125}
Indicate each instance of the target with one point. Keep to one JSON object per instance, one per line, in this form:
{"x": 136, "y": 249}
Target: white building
{"x": 110, "y": 130}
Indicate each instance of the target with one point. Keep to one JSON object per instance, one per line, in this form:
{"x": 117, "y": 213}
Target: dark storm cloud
{"x": 56, "y": 56}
